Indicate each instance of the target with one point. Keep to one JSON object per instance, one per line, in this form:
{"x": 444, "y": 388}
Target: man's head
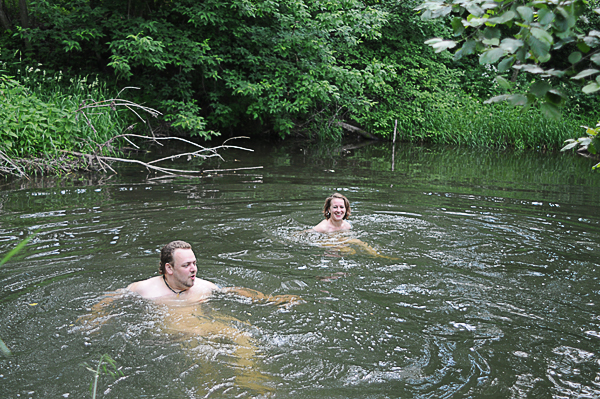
{"x": 166, "y": 254}
{"x": 327, "y": 206}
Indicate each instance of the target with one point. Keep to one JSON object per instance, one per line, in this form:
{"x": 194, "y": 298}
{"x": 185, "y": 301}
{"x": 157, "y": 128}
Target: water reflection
{"x": 483, "y": 282}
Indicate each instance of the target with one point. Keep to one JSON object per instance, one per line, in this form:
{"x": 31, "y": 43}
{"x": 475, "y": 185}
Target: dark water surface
{"x": 486, "y": 284}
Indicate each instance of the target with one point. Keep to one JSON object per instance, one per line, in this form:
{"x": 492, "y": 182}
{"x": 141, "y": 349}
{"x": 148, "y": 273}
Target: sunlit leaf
{"x": 591, "y": 41}
{"x": 572, "y": 144}
{"x": 585, "y": 73}
{"x": 443, "y": 45}
{"x": 553, "y": 72}
{"x": 441, "y": 12}
{"x": 433, "y": 40}
{"x": 542, "y": 35}
{"x": 511, "y": 45}
{"x": 535, "y": 69}
{"x": 497, "y": 99}
{"x": 591, "y": 88}
{"x": 595, "y": 58}
{"x": 504, "y": 18}
{"x": 474, "y": 9}
{"x": 526, "y": 13}
{"x": 491, "y": 42}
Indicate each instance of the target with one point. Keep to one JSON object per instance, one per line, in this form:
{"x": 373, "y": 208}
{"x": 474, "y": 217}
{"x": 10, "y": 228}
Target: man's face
{"x": 184, "y": 267}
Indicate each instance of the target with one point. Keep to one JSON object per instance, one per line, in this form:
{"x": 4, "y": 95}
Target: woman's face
{"x": 337, "y": 209}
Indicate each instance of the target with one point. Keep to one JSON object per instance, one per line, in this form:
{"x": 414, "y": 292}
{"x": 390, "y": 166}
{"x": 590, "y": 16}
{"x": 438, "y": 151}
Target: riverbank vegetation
{"x": 278, "y": 69}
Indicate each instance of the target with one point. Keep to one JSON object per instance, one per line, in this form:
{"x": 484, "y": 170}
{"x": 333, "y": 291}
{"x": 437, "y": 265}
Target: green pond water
{"x": 485, "y": 284}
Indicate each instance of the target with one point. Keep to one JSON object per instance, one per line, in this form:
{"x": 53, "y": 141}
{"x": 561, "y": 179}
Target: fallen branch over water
{"x": 74, "y": 161}
{"x": 87, "y": 154}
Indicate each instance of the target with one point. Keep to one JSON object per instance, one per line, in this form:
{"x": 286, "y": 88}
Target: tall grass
{"x": 462, "y": 120}
{"x": 45, "y": 113}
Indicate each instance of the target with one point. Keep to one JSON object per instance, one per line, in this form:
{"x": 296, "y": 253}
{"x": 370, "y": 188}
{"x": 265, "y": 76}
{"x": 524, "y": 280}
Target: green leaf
{"x": 565, "y": 20}
{"x": 595, "y": 58}
{"x": 503, "y": 82}
{"x": 575, "y": 57}
{"x": 526, "y": 13}
{"x": 517, "y": 100}
{"x": 491, "y": 42}
{"x": 539, "y": 48}
{"x": 504, "y": 18}
{"x": 511, "y": 45}
{"x": 572, "y": 144}
{"x": 457, "y": 26}
{"x": 540, "y": 88}
{"x": 474, "y": 9}
{"x": 545, "y": 16}
{"x": 585, "y": 73}
{"x": 584, "y": 48}
{"x": 591, "y": 88}
{"x": 491, "y": 33}
{"x": 505, "y": 64}
{"x": 554, "y": 97}
{"x": 550, "y": 111}
{"x": 542, "y": 35}
{"x": 443, "y": 45}
{"x": 491, "y": 56}
{"x": 497, "y": 99}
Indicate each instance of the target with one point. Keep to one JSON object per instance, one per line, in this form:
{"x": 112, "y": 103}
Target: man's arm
{"x": 257, "y": 296}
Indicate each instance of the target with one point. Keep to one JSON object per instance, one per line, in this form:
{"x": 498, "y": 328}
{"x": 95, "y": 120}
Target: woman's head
{"x": 327, "y": 206}
{"x": 166, "y": 254}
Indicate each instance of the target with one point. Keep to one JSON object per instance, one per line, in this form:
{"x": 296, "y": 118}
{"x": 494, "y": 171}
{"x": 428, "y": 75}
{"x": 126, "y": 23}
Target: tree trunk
{"x": 3, "y": 18}
{"x": 24, "y": 19}
{"x": 356, "y": 130}
{"x": 24, "y": 14}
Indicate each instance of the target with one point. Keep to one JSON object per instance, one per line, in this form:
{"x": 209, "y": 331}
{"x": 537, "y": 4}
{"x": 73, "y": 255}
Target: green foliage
{"x": 32, "y": 126}
{"x": 231, "y": 62}
{"x": 589, "y": 143}
{"x": 523, "y": 36}
{"x": 106, "y": 365}
{"x": 44, "y": 121}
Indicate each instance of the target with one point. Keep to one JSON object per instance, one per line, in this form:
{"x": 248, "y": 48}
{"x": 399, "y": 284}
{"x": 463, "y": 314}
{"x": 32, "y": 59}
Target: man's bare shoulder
{"x": 150, "y": 288}
{"x": 204, "y": 287}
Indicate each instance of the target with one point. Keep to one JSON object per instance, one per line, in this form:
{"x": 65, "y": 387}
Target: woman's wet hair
{"x": 166, "y": 254}
{"x": 328, "y": 205}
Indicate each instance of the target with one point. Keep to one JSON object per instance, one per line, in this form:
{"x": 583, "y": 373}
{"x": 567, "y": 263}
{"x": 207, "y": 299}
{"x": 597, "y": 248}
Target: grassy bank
{"x": 48, "y": 118}
{"x": 463, "y": 120}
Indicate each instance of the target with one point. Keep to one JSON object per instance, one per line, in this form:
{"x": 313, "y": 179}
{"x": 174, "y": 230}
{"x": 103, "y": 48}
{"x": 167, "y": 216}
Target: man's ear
{"x": 169, "y": 268}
